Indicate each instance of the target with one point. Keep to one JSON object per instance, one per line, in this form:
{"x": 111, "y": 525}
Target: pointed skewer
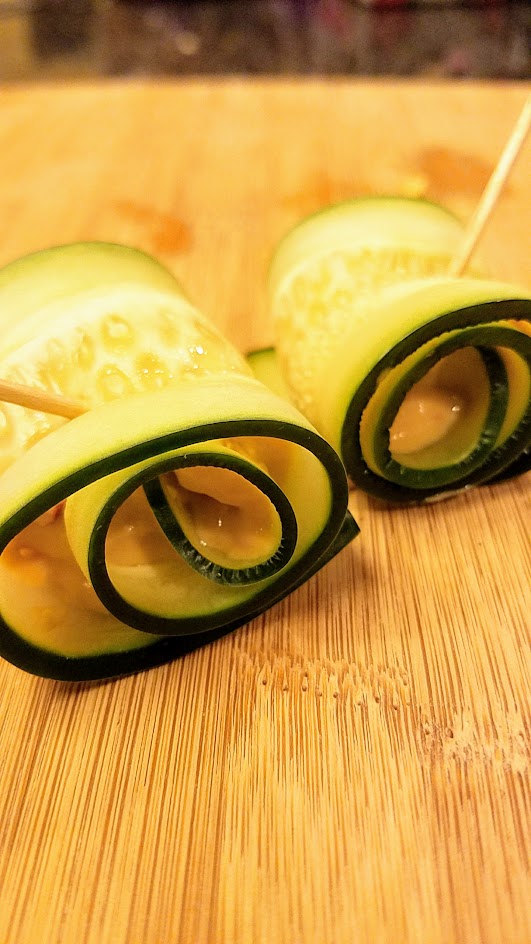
{"x": 493, "y": 190}
{"x": 35, "y": 399}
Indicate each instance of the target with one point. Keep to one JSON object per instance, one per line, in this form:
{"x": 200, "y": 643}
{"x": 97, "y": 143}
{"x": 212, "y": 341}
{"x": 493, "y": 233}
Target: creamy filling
{"x": 426, "y": 415}
{"x": 440, "y": 405}
{"x": 134, "y": 537}
{"x": 226, "y": 517}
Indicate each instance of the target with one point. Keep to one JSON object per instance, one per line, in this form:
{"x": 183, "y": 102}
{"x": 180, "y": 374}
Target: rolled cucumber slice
{"x": 162, "y": 518}
{"x": 420, "y": 381}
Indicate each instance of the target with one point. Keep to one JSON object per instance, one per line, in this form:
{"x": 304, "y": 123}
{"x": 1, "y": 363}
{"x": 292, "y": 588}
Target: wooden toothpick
{"x": 42, "y": 400}
{"x": 492, "y": 190}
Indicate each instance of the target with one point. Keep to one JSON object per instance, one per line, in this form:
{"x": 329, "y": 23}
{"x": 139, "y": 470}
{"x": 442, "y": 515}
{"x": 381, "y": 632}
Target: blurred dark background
{"x": 66, "y": 39}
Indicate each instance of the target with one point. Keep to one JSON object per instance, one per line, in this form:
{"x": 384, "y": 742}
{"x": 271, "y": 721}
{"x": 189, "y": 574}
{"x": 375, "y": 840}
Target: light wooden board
{"x": 351, "y": 767}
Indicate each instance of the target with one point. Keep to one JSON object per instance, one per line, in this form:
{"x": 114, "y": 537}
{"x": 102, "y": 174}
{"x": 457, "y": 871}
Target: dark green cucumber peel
{"x": 111, "y": 665}
{"x": 519, "y": 467}
{"x": 162, "y": 509}
{"x": 485, "y": 315}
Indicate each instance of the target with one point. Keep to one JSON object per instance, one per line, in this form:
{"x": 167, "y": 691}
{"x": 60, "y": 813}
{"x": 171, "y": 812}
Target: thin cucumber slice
{"x": 423, "y": 384}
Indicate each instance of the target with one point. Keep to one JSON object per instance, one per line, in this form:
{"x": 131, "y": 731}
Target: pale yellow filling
{"x": 134, "y": 537}
{"x": 426, "y": 415}
{"x": 228, "y": 518}
{"x": 435, "y": 406}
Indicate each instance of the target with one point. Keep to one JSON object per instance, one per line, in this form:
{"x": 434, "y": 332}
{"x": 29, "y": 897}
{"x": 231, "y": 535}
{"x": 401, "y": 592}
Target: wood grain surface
{"x": 351, "y": 767}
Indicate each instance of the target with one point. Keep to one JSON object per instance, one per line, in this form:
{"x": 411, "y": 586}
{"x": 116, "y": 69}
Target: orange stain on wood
{"x": 320, "y": 191}
{"x": 166, "y": 232}
{"x": 450, "y": 171}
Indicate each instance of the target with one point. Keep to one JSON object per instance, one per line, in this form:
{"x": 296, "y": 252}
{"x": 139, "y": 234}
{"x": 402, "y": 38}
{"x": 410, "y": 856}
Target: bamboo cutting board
{"x": 351, "y": 767}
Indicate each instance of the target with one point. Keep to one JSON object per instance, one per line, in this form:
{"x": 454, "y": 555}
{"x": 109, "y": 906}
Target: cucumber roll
{"x": 184, "y": 501}
{"x": 420, "y": 381}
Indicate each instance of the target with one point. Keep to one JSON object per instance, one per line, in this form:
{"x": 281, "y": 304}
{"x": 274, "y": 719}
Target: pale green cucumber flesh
{"x": 91, "y": 470}
{"x": 266, "y": 368}
{"x": 354, "y": 363}
{"x": 32, "y": 282}
{"x": 444, "y": 474}
{"x": 260, "y": 597}
{"x": 363, "y": 222}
